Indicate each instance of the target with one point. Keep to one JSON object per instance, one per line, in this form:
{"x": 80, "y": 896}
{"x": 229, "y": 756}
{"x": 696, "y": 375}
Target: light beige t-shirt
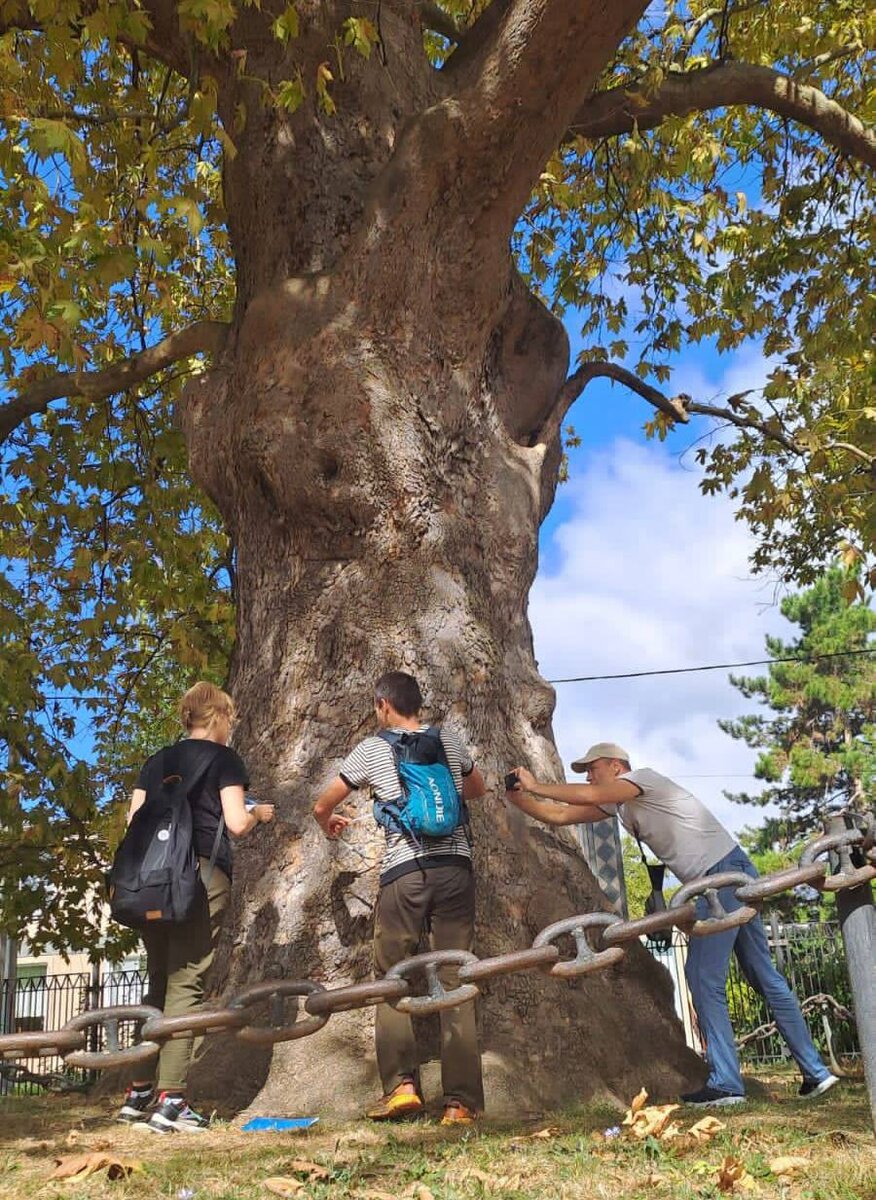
{"x": 679, "y": 828}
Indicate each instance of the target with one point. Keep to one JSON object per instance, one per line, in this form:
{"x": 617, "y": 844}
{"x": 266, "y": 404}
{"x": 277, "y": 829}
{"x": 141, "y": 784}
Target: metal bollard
{"x": 857, "y": 918}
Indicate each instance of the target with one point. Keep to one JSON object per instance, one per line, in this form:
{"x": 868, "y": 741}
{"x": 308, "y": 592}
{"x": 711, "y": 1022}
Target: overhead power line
{"x": 755, "y": 662}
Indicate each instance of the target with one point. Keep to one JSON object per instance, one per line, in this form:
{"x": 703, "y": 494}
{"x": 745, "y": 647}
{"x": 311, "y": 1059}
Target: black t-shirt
{"x": 186, "y": 758}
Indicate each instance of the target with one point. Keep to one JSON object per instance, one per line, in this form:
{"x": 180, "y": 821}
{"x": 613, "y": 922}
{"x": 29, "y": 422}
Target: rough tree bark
{"x": 373, "y": 437}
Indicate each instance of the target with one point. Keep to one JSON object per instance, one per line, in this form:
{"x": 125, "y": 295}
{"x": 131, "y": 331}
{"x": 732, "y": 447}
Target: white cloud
{"x": 648, "y": 573}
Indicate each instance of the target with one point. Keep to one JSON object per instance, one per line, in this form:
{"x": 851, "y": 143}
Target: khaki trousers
{"x": 177, "y": 959}
{"x": 442, "y": 900}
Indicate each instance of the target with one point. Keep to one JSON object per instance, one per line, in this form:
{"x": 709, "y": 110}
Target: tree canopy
{"x": 716, "y": 186}
{"x": 817, "y": 739}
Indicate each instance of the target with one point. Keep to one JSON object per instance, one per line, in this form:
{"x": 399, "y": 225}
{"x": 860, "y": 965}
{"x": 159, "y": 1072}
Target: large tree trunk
{"x": 372, "y": 440}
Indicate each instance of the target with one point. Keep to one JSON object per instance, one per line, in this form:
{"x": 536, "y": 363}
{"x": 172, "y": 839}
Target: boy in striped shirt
{"x": 425, "y": 883}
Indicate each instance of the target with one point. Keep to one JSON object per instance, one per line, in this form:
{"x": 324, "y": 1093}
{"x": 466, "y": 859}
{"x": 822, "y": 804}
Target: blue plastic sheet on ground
{"x": 257, "y": 1124}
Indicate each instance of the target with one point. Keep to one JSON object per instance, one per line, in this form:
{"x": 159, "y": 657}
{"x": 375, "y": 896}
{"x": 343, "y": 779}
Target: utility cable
{"x": 755, "y": 662}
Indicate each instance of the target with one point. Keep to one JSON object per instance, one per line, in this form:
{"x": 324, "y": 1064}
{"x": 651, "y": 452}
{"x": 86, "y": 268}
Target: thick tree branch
{"x": 204, "y": 337}
{"x": 679, "y": 408}
{"x": 586, "y": 373}
{"x": 724, "y": 85}
{"x": 519, "y": 77}
{"x": 483, "y": 33}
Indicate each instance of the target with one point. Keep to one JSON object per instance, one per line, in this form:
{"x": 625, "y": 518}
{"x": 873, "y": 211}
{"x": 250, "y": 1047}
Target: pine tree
{"x": 818, "y": 753}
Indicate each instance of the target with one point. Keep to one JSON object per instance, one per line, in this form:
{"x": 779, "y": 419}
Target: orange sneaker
{"x": 457, "y": 1114}
{"x": 400, "y": 1103}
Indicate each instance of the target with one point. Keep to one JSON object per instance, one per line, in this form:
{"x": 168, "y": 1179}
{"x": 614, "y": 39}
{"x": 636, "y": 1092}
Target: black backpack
{"x": 155, "y": 878}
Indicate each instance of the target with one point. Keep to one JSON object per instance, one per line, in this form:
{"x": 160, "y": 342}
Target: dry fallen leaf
{"x": 672, "y": 1131}
{"x": 706, "y": 1129}
{"x": 284, "y": 1185}
{"x": 375, "y": 1194}
{"x": 72, "y": 1138}
{"x": 787, "y": 1164}
{"x": 420, "y": 1192}
{"x": 639, "y": 1101}
{"x": 550, "y": 1131}
{"x": 650, "y": 1121}
{"x": 732, "y": 1174}
{"x": 80, "y": 1166}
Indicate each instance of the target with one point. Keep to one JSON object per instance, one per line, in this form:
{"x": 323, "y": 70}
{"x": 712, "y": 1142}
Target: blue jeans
{"x": 708, "y": 962}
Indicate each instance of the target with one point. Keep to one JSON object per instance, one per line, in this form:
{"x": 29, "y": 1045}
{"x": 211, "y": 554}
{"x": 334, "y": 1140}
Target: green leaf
{"x": 54, "y": 137}
{"x": 290, "y": 94}
{"x": 286, "y": 25}
{"x": 361, "y": 34}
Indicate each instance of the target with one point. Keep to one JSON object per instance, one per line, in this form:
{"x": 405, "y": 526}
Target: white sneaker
{"x": 709, "y": 1097}
{"x": 174, "y": 1115}
{"x": 809, "y": 1089}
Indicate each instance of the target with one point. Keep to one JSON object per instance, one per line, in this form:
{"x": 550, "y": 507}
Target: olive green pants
{"x": 441, "y": 900}
{"x": 177, "y": 959}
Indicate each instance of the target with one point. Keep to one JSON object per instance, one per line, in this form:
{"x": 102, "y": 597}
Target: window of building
{"x": 30, "y": 998}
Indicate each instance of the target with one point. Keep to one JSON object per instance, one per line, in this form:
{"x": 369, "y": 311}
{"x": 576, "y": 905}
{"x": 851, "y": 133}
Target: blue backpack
{"x": 430, "y": 805}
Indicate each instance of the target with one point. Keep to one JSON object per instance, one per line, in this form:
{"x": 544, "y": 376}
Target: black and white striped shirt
{"x": 372, "y": 764}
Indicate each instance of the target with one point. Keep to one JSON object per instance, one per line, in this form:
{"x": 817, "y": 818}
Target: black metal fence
{"x": 810, "y": 956}
{"x": 38, "y": 1002}
{"x": 812, "y": 959}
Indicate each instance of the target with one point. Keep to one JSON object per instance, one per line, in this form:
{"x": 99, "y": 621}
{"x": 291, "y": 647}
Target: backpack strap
{"x": 656, "y": 871}
{"x": 435, "y": 732}
{"x": 392, "y": 739}
{"x": 198, "y": 778}
{"x": 390, "y": 736}
{"x": 391, "y": 808}
{"x": 214, "y": 853}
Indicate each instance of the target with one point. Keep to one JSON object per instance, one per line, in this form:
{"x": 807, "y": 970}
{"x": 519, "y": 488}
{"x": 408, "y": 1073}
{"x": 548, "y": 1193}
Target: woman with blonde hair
{"x": 178, "y": 956}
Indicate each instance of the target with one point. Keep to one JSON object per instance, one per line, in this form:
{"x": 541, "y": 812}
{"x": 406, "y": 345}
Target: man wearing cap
{"x": 691, "y": 842}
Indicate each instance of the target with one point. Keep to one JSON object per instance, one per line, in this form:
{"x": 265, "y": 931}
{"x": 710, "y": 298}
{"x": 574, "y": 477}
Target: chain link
{"x": 849, "y": 875}
{"x": 274, "y": 993}
{"x": 586, "y": 959}
{"x": 609, "y": 933}
{"x": 437, "y": 995}
{"x": 707, "y": 887}
{"x": 358, "y": 995}
{"x": 110, "y": 1020}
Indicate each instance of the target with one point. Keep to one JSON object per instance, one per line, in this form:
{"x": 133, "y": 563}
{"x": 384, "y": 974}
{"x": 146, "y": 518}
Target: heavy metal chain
{"x": 258, "y": 1015}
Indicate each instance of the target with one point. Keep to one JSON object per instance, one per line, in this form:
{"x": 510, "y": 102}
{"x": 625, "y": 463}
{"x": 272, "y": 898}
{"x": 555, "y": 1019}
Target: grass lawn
{"x": 564, "y": 1155}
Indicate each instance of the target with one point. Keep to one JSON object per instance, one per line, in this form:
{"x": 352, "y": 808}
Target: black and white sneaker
{"x": 136, "y": 1107}
{"x": 709, "y": 1097}
{"x": 173, "y": 1114}
{"x": 809, "y": 1089}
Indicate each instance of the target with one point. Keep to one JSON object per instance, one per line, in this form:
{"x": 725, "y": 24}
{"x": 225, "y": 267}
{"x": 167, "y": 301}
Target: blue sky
{"x": 640, "y": 571}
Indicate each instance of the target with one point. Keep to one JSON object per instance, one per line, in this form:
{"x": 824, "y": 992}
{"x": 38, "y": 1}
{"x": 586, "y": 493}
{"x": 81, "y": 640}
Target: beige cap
{"x": 600, "y": 750}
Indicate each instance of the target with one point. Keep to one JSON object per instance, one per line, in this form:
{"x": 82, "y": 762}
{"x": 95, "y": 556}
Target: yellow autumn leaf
{"x": 705, "y": 1130}
{"x": 283, "y": 1185}
{"x": 787, "y": 1164}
